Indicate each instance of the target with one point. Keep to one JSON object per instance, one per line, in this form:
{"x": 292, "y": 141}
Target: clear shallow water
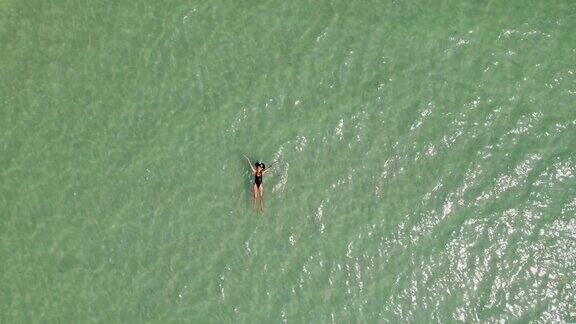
{"x": 426, "y": 161}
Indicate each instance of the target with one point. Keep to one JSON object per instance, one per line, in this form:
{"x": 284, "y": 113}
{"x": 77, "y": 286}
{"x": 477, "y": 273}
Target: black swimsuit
{"x": 258, "y": 179}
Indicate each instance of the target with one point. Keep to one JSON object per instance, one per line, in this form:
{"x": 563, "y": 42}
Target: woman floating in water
{"x": 259, "y": 170}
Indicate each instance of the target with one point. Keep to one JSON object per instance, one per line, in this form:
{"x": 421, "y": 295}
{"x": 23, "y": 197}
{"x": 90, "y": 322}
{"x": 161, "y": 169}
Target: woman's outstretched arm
{"x": 270, "y": 167}
{"x": 250, "y": 163}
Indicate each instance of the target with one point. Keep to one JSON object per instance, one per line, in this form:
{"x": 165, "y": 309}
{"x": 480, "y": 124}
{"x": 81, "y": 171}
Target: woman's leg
{"x": 254, "y": 195}
{"x": 261, "y": 194}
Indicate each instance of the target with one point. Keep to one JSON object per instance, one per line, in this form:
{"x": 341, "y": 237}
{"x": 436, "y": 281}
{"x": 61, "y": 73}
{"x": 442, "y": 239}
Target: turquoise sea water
{"x": 426, "y": 161}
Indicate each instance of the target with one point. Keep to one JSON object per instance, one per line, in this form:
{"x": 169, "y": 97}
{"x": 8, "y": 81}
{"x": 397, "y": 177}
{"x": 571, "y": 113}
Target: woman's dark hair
{"x": 263, "y": 166}
{"x": 257, "y": 164}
